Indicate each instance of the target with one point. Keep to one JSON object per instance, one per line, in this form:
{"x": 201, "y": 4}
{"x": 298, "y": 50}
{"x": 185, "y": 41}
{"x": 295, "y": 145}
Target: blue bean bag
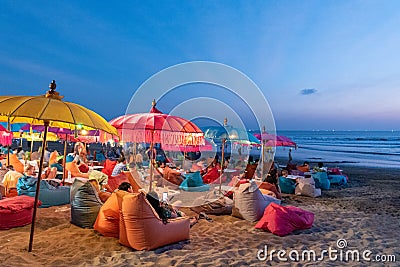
{"x": 100, "y": 157}
{"x": 321, "y": 180}
{"x": 194, "y": 183}
{"x": 48, "y": 194}
{"x": 287, "y": 185}
{"x": 337, "y": 179}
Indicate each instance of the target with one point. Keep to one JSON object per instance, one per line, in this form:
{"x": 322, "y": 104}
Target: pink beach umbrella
{"x": 5, "y": 136}
{"x": 157, "y": 127}
{"x": 273, "y": 140}
{"x": 190, "y": 148}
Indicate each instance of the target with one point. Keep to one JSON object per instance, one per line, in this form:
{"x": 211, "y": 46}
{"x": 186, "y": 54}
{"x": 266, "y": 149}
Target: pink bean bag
{"x": 281, "y": 220}
{"x": 16, "y": 211}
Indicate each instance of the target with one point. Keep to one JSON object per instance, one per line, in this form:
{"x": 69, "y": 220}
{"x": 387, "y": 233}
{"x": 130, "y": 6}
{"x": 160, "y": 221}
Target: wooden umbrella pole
{"x": 65, "y": 157}
{"x": 30, "y": 132}
{"x": 151, "y": 160}
{"x": 46, "y": 125}
{"x": 8, "y": 149}
{"x": 184, "y": 159}
{"x": 262, "y": 158}
{"x": 222, "y": 164}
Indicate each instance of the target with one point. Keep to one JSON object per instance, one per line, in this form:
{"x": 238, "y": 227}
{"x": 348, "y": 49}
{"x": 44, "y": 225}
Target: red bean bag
{"x": 114, "y": 181}
{"x": 282, "y": 220}
{"x": 107, "y": 222}
{"x": 211, "y": 175}
{"x": 109, "y": 167}
{"x": 16, "y": 211}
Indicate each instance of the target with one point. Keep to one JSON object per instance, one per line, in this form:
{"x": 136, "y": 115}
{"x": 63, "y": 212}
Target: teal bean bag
{"x": 321, "y": 180}
{"x": 194, "y": 183}
{"x": 287, "y": 185}
{"x": 48, "y": 194}
{"x": 337, "y": 179}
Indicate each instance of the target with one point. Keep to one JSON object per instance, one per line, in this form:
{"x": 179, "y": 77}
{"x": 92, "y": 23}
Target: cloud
{"x": 308, "y": 91}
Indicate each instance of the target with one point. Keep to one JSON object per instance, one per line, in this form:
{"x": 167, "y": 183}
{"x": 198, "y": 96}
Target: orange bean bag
{"x": 303, "y": 168}
{"x": 107, "y": 222}
{"x": 172, "y": 176}
{"x": 75, "y": 172}
{"x": 269, "y": 187}
{"x": 16, "y": 163}
{"x": 53, "y": 157}
{"x": 142, "y": 229}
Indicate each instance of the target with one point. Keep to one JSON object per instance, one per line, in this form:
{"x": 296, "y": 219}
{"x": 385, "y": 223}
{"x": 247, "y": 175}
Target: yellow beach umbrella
{"x": 49, "y": 110}
{"x": 36, "y": 136}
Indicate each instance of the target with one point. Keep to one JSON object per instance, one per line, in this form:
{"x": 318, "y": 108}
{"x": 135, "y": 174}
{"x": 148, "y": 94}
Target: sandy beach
{"x": 365, "y": 214}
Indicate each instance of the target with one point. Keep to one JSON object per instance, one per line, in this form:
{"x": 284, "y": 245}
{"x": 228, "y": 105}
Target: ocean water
{"x": 359, "y": 148}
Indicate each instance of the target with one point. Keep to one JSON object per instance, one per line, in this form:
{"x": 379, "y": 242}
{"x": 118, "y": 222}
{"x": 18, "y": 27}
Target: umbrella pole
{"x": 46, "y": 125}
{"x": 222, "y": 164}
{"x": 30, "y": 132}
{"x": 8, "y": 150}
{"x": 262, "y": 158}
{"x": 184, "y": 158}
{"x": 65, "y": 156}
{"x": 151, "y": 161}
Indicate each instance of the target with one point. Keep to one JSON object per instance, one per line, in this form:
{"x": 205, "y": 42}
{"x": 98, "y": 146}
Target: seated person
{"x": 10, "y": 181}
{"x": 59, "y": 166}
{"x": 272, "y": 176}
{"x": 48, "y": 172}
{"x": 119, "y": 167}
{"x": 320, "y": 167}
{"x": 125, "y": 186}
{"x": 163, "y": 209}
{"x": 139, "y": 160}
{"x": 305, "y": 167}
{"x": 30, "y": 170}
{"x": 197, "y": 166}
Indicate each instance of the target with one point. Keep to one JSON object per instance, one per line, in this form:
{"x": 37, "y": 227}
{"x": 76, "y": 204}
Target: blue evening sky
{"x": 320, "y": 64}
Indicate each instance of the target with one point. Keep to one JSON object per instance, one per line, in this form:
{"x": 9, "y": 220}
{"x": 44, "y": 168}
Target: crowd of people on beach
{"x": 93, "y": 180}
